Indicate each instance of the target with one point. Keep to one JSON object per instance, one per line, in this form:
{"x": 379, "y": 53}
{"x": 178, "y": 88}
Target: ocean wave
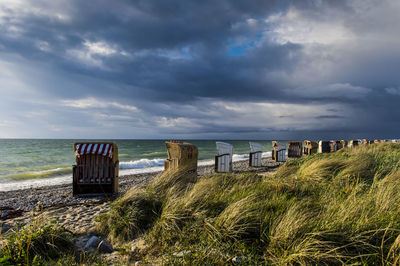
{"x": 147, "y": 163}
{"x": 41, "y": 174}
{"x": 142, "y": 163}
{"x": 154, "y": 154}
{"x": 63, "y": 175}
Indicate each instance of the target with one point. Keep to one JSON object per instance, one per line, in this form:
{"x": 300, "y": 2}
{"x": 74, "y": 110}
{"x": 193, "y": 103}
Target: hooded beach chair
{"x": 255, "y": 154}
{"x": 96, "y": 169}
{"x": 310, "y": 147}
{"x": 339, "y": 145}
{"x": 333, "y": 146}
{"x": 366, "y": 141}
{"x": 353, "y": 143}
{"x": 344, "y": 143}
{"x": 278, "y": 152}
{"x": 182, "y": 156}
{"x": 223, "y": 161}
{"x": 295, "y": 149}
{"x": 324, "y": 146}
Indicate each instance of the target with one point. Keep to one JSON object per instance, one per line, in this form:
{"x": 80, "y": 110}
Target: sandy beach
{"x": 78, "y": 214}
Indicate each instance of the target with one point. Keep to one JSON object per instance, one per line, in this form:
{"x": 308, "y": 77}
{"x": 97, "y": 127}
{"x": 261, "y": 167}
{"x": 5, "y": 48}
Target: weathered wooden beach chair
{"x": 255, "y": 154}
{"x": 223, "y": 161}
{"x": 278, "y": 152}
{"x": 295, "y": 149}
{"x": 324, "y": 146}
{"x": 96, "y": 169}
{"x": 310, "y": 147}
{"x": 182, "y": 156}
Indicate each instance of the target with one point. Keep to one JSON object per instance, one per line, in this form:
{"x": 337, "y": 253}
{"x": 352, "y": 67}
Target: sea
{"x": 28, "y": 163}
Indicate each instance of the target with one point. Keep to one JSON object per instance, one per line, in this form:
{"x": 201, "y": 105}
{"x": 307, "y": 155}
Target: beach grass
{"x": 338, "y": 208}
{"x": 42, "y": 242}
{"x": 36, "y": 243}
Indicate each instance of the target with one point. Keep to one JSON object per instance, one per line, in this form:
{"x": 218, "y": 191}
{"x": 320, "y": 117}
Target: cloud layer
{"x": 199, "y": 69}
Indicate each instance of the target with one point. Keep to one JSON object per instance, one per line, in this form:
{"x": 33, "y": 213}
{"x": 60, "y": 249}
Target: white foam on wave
{"x": 142, "y": 163}
{"x": 141, "y": 166}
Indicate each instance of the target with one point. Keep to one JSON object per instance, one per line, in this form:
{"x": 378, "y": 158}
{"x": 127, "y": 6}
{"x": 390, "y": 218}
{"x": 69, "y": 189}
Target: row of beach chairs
{"x": 97, "y": 164}
{"x": 298, "y": 149}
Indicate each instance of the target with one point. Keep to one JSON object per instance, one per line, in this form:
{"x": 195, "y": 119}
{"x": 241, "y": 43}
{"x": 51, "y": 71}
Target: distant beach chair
{"x": 339, "y": 145}
{"x": 295, "y": 149}
{"x": 278, "y": 152}
{"x": 255, "y": 154}
{"x": 344, "y": 143}
{"x": 333, "y": 146}
{"x": 96, "y": 169}
{"x": 223, "y": 161}
{"x": 310, "y": 147}
{"x": 324, "y": 146}
{"x": 181, "y": 156}
{"x": 367, "y": 142}
{"x": 353, "y": 143}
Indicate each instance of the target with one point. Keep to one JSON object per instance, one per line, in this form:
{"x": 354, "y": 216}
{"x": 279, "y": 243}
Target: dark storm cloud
{"x": 192, "y": 63}
{"x": 142, "y": 27}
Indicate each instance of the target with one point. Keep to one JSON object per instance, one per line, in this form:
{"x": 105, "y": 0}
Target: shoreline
{"x": 53, "y": 195}
{"x": 33, "y": 182}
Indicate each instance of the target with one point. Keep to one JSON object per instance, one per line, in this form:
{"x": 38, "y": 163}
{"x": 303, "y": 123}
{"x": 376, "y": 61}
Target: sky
{"x": 226, "y": 69}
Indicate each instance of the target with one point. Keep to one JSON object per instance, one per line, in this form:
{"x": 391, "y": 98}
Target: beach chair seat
{"x": 354, "y": 143}
{"x": 255, "y": 157}
{"x": 339, "y": 145}
{"x": 96, "y": 169}
{"x": 278, "y": 152}
{"x": 333, "y": 146}
{"x": 310, "y": 147}
{"x": 223, "y": 161}
{"x": 324, "y": 146}
{"x": 181, "y": 156}
{"x": 295, "y": 149}
{"x": 344, "y": 143}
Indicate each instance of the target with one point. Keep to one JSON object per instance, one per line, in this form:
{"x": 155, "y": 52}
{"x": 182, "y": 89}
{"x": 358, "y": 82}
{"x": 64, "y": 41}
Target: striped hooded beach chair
{"x": 96, "y": 169}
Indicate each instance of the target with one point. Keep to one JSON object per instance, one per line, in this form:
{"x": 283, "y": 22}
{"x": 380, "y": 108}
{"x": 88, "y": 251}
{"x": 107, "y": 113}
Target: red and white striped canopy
{"x": 105, "y": 149}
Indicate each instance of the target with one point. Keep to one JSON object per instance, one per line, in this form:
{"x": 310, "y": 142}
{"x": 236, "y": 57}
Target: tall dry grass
{"x": 340, "y": 208}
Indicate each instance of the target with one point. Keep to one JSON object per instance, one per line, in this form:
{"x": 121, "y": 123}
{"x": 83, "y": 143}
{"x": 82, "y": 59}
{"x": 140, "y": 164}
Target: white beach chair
{"x": 255, "y": 154}
{"x": 223, "y": 161}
